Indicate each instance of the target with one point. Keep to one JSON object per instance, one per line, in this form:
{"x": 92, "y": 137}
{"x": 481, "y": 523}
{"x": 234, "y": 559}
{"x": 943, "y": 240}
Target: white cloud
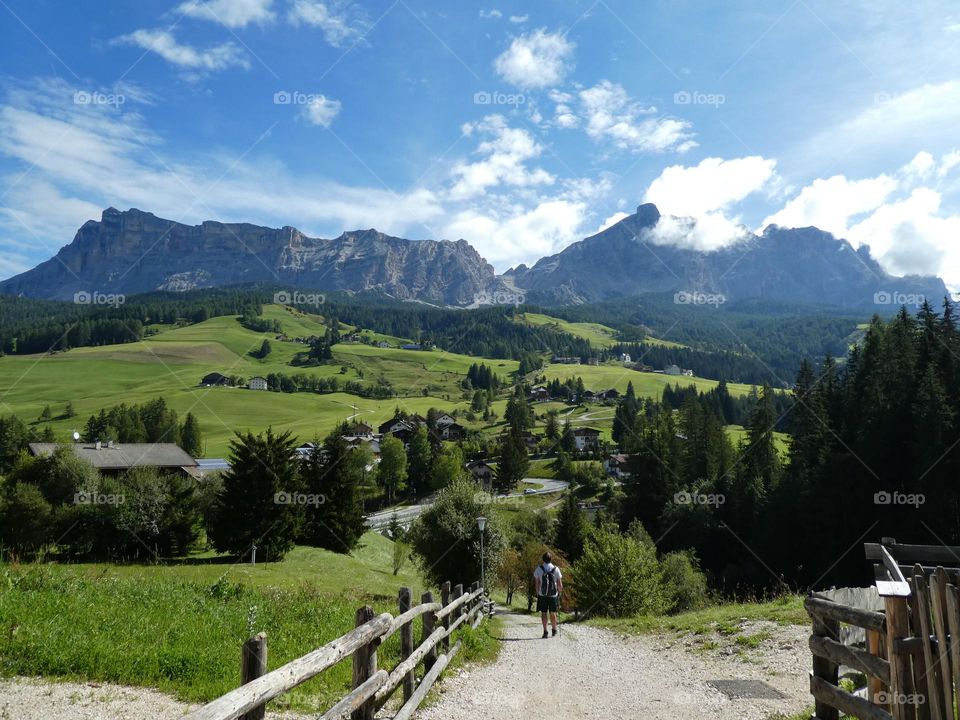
{"x": 948, "y": 163}
{"x": 504, "y": 153}
{"x": 88, "y": 157}
{"x": 519, "y": 19}
{"x": 536, "y": 60}
{"x": 520, "y": 234}
{"x": 611, "y": 114}
{"x": 321, "y": 110}
{"x": 917, "y": 115}
{"x": 922, "y": 166}
{"x": 164, "y": 44}
{"x": 696, "y": 201}
{"x": 830, "y": 203}
{"x": 492, "y": 14}
{"x": 611, "y": 221}
{"x": 341, "y": 23}
{"x": 900, "y": 218}
{"x": 714, "y": 184}
{"x": 231, "y": 13}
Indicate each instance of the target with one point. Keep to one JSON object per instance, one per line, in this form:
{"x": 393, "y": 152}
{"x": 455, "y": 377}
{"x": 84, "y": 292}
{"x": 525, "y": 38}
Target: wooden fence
{"x": 372, "y": 686}
{"x": 911, "y": 657}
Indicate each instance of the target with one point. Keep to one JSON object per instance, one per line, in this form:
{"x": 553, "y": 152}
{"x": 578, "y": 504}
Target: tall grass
{"x": 183, "y": 638}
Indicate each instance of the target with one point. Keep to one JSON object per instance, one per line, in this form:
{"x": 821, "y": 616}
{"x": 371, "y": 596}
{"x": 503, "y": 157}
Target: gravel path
{"x": 590, "y": 672}
{"x": 38, "y": 699}
{"x": 586, "y": 672}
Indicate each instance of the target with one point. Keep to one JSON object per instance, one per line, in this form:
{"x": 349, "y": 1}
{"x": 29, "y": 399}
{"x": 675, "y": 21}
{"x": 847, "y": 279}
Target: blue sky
{"x": 521, "y": 127}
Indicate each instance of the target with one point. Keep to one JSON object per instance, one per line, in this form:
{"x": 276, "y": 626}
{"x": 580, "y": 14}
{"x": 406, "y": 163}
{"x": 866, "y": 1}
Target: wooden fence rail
{"x": 911, "y": 657}
{"x": 372, "y": 686}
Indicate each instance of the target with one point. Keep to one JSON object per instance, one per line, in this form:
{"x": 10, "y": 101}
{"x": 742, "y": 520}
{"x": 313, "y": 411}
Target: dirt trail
{"x": 591, "y": 673}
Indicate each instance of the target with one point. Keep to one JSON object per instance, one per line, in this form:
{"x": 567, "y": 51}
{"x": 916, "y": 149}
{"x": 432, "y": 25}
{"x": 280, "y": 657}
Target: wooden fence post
{"x": 825, "y": 669}
{"x": 365, "y": 665}
{"x": 478, "y": 599}
{"x": 445, "y": 600}
{"x": 429, "y": 625}
{"x": 898, "y": 628}
{"x": 254, "y": 665}
{"x": 457, "y": 592}
{"x": 406, "y": 644}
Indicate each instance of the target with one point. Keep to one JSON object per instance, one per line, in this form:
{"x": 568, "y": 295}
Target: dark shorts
{"x": 547, "y": 604}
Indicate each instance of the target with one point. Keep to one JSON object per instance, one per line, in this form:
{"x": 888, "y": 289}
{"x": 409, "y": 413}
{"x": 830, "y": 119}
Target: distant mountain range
{"x": 135, "y": 252}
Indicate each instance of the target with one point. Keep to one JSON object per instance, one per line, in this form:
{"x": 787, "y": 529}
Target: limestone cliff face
{"x": 803, "y": 265}
{"x": 133, "y": 252}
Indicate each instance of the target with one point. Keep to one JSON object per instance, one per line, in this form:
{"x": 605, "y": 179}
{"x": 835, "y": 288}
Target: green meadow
{"x": 171, "y": 363}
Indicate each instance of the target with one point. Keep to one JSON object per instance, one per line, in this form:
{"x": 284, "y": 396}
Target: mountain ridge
{"x": 133, "y": 251}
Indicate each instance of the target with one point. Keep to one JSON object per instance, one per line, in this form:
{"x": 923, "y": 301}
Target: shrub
{"x": 683, "y": 581}
{"x": 618, "y": 576}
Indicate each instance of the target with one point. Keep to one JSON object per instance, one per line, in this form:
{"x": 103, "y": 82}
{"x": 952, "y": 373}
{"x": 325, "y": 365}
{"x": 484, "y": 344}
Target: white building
{"x": 258, "y": 383}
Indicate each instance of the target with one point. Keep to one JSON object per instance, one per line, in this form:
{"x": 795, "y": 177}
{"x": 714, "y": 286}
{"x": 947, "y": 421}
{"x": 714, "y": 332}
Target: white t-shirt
{"x": 547, "y": 567}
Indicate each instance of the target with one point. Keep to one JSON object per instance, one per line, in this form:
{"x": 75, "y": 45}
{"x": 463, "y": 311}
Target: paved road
{"x": 409, "y": 513}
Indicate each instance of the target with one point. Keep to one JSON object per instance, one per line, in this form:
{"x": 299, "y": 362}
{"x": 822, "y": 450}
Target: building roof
{"x": 125, "y": 456}
{"x": 212, "y": 464}
{"x": 586, "y": 431}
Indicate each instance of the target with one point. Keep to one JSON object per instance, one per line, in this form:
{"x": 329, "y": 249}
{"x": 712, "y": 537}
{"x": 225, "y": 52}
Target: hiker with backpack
{"x": 549, "y": 583}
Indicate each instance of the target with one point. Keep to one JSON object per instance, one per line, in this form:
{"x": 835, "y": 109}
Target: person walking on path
{"x": 549, "y": 583}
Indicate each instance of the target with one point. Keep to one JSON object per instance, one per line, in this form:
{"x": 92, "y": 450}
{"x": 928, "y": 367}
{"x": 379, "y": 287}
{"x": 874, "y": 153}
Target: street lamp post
{"x": 482, "y": 523}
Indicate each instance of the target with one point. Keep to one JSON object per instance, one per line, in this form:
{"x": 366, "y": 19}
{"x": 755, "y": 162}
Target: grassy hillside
{"x": 171, "y": 364}
{"x": 601, "y": 336}
{"x": 602, "y": 377}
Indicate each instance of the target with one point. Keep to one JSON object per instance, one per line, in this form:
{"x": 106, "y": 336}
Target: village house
{"x": 538, "y": 394}
{"x": 112, "y": 458}
{"x": 383, "y": 344}
{"x": 481, "y": 472}
{"x": 672, "y": 370}
{"x": 616, "y": 466}
{"x": 258, "y": 383}
{"x": 611, "y": 394}
{"x": 358, "y": 428}
{"x": 586, "y": 439}
{"x": 625, "y": 358}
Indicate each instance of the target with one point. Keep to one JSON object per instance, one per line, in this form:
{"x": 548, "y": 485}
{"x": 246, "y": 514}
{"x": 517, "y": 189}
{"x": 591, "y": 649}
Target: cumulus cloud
{"x": 536, "y": 60}
{"x": 900, "y": 217}
{"x": 492, "y": 14}
{"x": 830, "y": 203}
{"x": 520, "y": 234}
{"x": 713, "y": 184}
{"x": 504, "y": 152}
{"x": 164, "y": 44}
{"x": 696, "y": 201}
{"x": 231, "y": 13}
{"x": 321, "y": 110}
{"x": 612, "y": 115}
{"x": 341, "y": 23}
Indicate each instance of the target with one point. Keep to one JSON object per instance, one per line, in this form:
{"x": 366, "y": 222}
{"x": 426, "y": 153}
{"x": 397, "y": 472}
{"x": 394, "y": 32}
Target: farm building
{"x": 113, "y": 458}
{"x": 258, "y": 383}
